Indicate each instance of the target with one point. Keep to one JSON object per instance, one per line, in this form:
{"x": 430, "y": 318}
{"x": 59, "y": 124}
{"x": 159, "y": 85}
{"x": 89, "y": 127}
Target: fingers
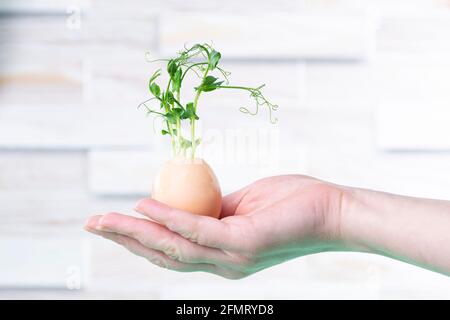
{"x": 154, "y": 256}
{"x": 230, "y": 202}
{"x": 92, "y": 222}
{"x": 203, "y": 230}
{"x": 157, "y": 257}
{"x": 157, "y": 237}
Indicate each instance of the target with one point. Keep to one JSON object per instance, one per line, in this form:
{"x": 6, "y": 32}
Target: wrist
{"x": 364, "y": 221}
{"x": 332, "y": 231}
{"x": 349, "y": 217}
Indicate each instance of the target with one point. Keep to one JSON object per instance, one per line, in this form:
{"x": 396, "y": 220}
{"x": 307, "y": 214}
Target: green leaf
{"x": 210, "y": 83}
{"x": 171, "y": 118}
{"x": 209, "y": 80}
{"x": 177, "y": 111}
{"x": 214, "y": 58}
{"x": 164, "y": 132}
{"x": 172, "y": 67}
{"x": 176, "y": 80}
{"x": 189, "y": 112}
{"x": 184, "y": 115}
{"x": 154, "y": 76}
{"x": 185, "y": 143}
{"x": 155, "y": 89}
{"x": 190, "y": 108}
{"x": 169, "y": 97}
{"x": 211, "y": 87}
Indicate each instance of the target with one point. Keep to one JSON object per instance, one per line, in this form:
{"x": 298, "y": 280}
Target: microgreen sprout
{"x": 202, "y": 60}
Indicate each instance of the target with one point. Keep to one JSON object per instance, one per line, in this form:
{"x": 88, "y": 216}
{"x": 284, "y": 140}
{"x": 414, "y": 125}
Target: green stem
{"x": 197, "y": 96}
{"x": 169, "y": 126}
{"x": 176, "y": 100}
{"x": 168, "y": 85}
{"x": 193, "y": 126}
{"x": 179, "y": 134}
{"x": 190, "y": 67}
{"x": 150, "y": 110}
{"x": 172, "y": 140}
{"x": 239, "y": 87}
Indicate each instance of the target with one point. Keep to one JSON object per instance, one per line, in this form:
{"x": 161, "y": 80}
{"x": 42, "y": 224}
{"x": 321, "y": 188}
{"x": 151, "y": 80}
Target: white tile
{"x": 415, "y": 29}
{"x": 22, "y": 170}
{"x": 413, "y": 76}
{"x": 30, "y": 211}
{"x": 342, "y": 85}
{"x": 319, "y": 35}
{"x": 40, "y": 6}
{"x": 134, "y": 32}
{"x": 35, "y": 29}
{"x": 141, "y": 8}
{"x": 122, "y": 172}
{"x": 72, "y": 127}
{"x": 413, "y": 125}
{"x": 50, "y": 75}
{"x": 404, "y": 8}
{"x": 43, "y": 263}
{"x": 322, "y": 125}
{"x": 46, "y": 126}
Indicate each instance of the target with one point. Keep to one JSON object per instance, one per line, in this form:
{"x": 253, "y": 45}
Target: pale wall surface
{"x": 363, "y": 89}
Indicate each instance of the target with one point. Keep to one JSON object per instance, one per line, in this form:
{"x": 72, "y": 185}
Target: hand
{"x": 270, "y": 221}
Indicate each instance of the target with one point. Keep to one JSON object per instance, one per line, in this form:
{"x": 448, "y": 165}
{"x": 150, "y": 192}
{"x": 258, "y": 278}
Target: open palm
{"x": 263, "y": 224}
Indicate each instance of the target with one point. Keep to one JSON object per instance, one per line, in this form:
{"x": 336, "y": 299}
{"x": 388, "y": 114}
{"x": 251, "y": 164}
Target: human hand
{"x": 270, "y": 221}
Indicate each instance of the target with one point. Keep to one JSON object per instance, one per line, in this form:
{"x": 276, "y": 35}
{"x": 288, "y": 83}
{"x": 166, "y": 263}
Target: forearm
{"x": 409, "y": 229}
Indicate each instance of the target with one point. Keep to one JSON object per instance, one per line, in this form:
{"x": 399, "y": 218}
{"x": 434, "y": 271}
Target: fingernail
{"x": 103, "y": 228}
{"x": 143, "y": 204}
{"x": 100, "y": 226}
{"x": 90, "y": 223}
{"x": 138, "y": 207}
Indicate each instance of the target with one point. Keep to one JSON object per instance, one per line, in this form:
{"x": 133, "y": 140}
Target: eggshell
{"x": 189, "y": 185}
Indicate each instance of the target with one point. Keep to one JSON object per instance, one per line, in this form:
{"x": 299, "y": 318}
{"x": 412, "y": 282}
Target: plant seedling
{"x": 202, "y": 60}
{"x": 187, "y": 184}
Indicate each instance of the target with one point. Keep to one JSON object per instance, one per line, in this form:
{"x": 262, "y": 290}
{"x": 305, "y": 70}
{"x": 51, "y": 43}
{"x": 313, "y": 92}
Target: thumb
{"x": 230, "y": 202}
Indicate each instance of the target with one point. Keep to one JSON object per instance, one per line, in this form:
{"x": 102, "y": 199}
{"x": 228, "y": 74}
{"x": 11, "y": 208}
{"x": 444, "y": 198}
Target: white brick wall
{"x": 316, "y": 35}
{"x": 408, "y": 125}
{"x": 354, "y": 80}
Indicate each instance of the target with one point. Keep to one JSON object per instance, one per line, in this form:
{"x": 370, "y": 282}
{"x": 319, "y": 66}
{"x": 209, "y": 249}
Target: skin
{"x": 280, "y": 218}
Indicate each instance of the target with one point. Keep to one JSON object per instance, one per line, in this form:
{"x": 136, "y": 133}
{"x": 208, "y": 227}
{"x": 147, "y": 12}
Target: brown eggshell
{"x": 189, "y": 185}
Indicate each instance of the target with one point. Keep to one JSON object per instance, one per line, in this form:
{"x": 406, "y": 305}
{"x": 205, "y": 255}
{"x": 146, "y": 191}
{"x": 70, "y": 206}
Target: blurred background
{"x": 363, "y": 93}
